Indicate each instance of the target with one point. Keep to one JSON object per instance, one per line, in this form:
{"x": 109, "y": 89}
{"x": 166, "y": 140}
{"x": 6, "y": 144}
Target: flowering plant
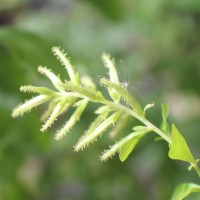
{"x": 112, "y": 112}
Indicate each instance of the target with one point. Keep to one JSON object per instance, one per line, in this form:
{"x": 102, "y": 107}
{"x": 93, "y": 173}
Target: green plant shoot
{"x": 111, "y": 115}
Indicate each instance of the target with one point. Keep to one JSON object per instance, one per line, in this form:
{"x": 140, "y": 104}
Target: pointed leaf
{"x": 184, "y": 190}
{"x": 116, "y": 147}
{"x": 130, "y": 144}
{"x": 165, "y": 112}
{"x": 127, "y": 148}
{"x": 179, "y": 149}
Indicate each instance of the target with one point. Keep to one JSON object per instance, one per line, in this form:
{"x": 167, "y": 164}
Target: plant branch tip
{"x": 78, "y": 92}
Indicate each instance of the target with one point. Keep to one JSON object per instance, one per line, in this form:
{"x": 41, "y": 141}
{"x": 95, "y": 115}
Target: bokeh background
{"x": 156, "y": 45}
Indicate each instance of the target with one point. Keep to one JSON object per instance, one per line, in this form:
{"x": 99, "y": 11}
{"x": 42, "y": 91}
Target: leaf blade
{"x": 130, "y": 144}
{"x": 165, "y": 112}
{"x": 179, "y": 149}
{"x": 184, "y": 189}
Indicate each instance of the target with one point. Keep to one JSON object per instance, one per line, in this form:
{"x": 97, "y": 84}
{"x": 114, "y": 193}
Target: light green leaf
{"x": 130, "y": 144}
{"x": 165, "y": 112}
{"x": 184, "y": 190}
{"x": 127, "y": 148}
{"x": 179, "y": 149}
{"x": 117, "y": 146}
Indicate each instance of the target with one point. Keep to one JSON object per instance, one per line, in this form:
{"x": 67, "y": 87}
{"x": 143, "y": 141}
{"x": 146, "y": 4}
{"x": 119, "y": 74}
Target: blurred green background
{"x": 156, "y": 45}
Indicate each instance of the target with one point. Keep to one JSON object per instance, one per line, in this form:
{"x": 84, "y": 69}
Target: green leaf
{"x": 184, "y": 190}
{"x": 130, "y": 144}
{"x": 116, "y": 147}
{"x": 165, "y": 112}
{"x": 179, "y": 149}
{"x": 127, "y": 148}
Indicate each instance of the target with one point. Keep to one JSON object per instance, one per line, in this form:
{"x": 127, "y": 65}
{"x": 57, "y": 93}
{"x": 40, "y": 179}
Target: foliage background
{"x": 159, "y": 44}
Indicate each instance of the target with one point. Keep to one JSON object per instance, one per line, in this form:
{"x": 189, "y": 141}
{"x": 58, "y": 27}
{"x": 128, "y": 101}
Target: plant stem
{"x": 140, "y": 118}
{"x": 127, "y": 110}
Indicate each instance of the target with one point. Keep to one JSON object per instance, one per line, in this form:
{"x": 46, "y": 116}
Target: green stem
{"x": 84, "y": 94}
{"x": 140, "y": 118}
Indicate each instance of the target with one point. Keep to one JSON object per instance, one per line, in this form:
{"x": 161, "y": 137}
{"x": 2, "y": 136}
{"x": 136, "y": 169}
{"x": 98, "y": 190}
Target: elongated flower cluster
{"x": 112, "y": 113}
